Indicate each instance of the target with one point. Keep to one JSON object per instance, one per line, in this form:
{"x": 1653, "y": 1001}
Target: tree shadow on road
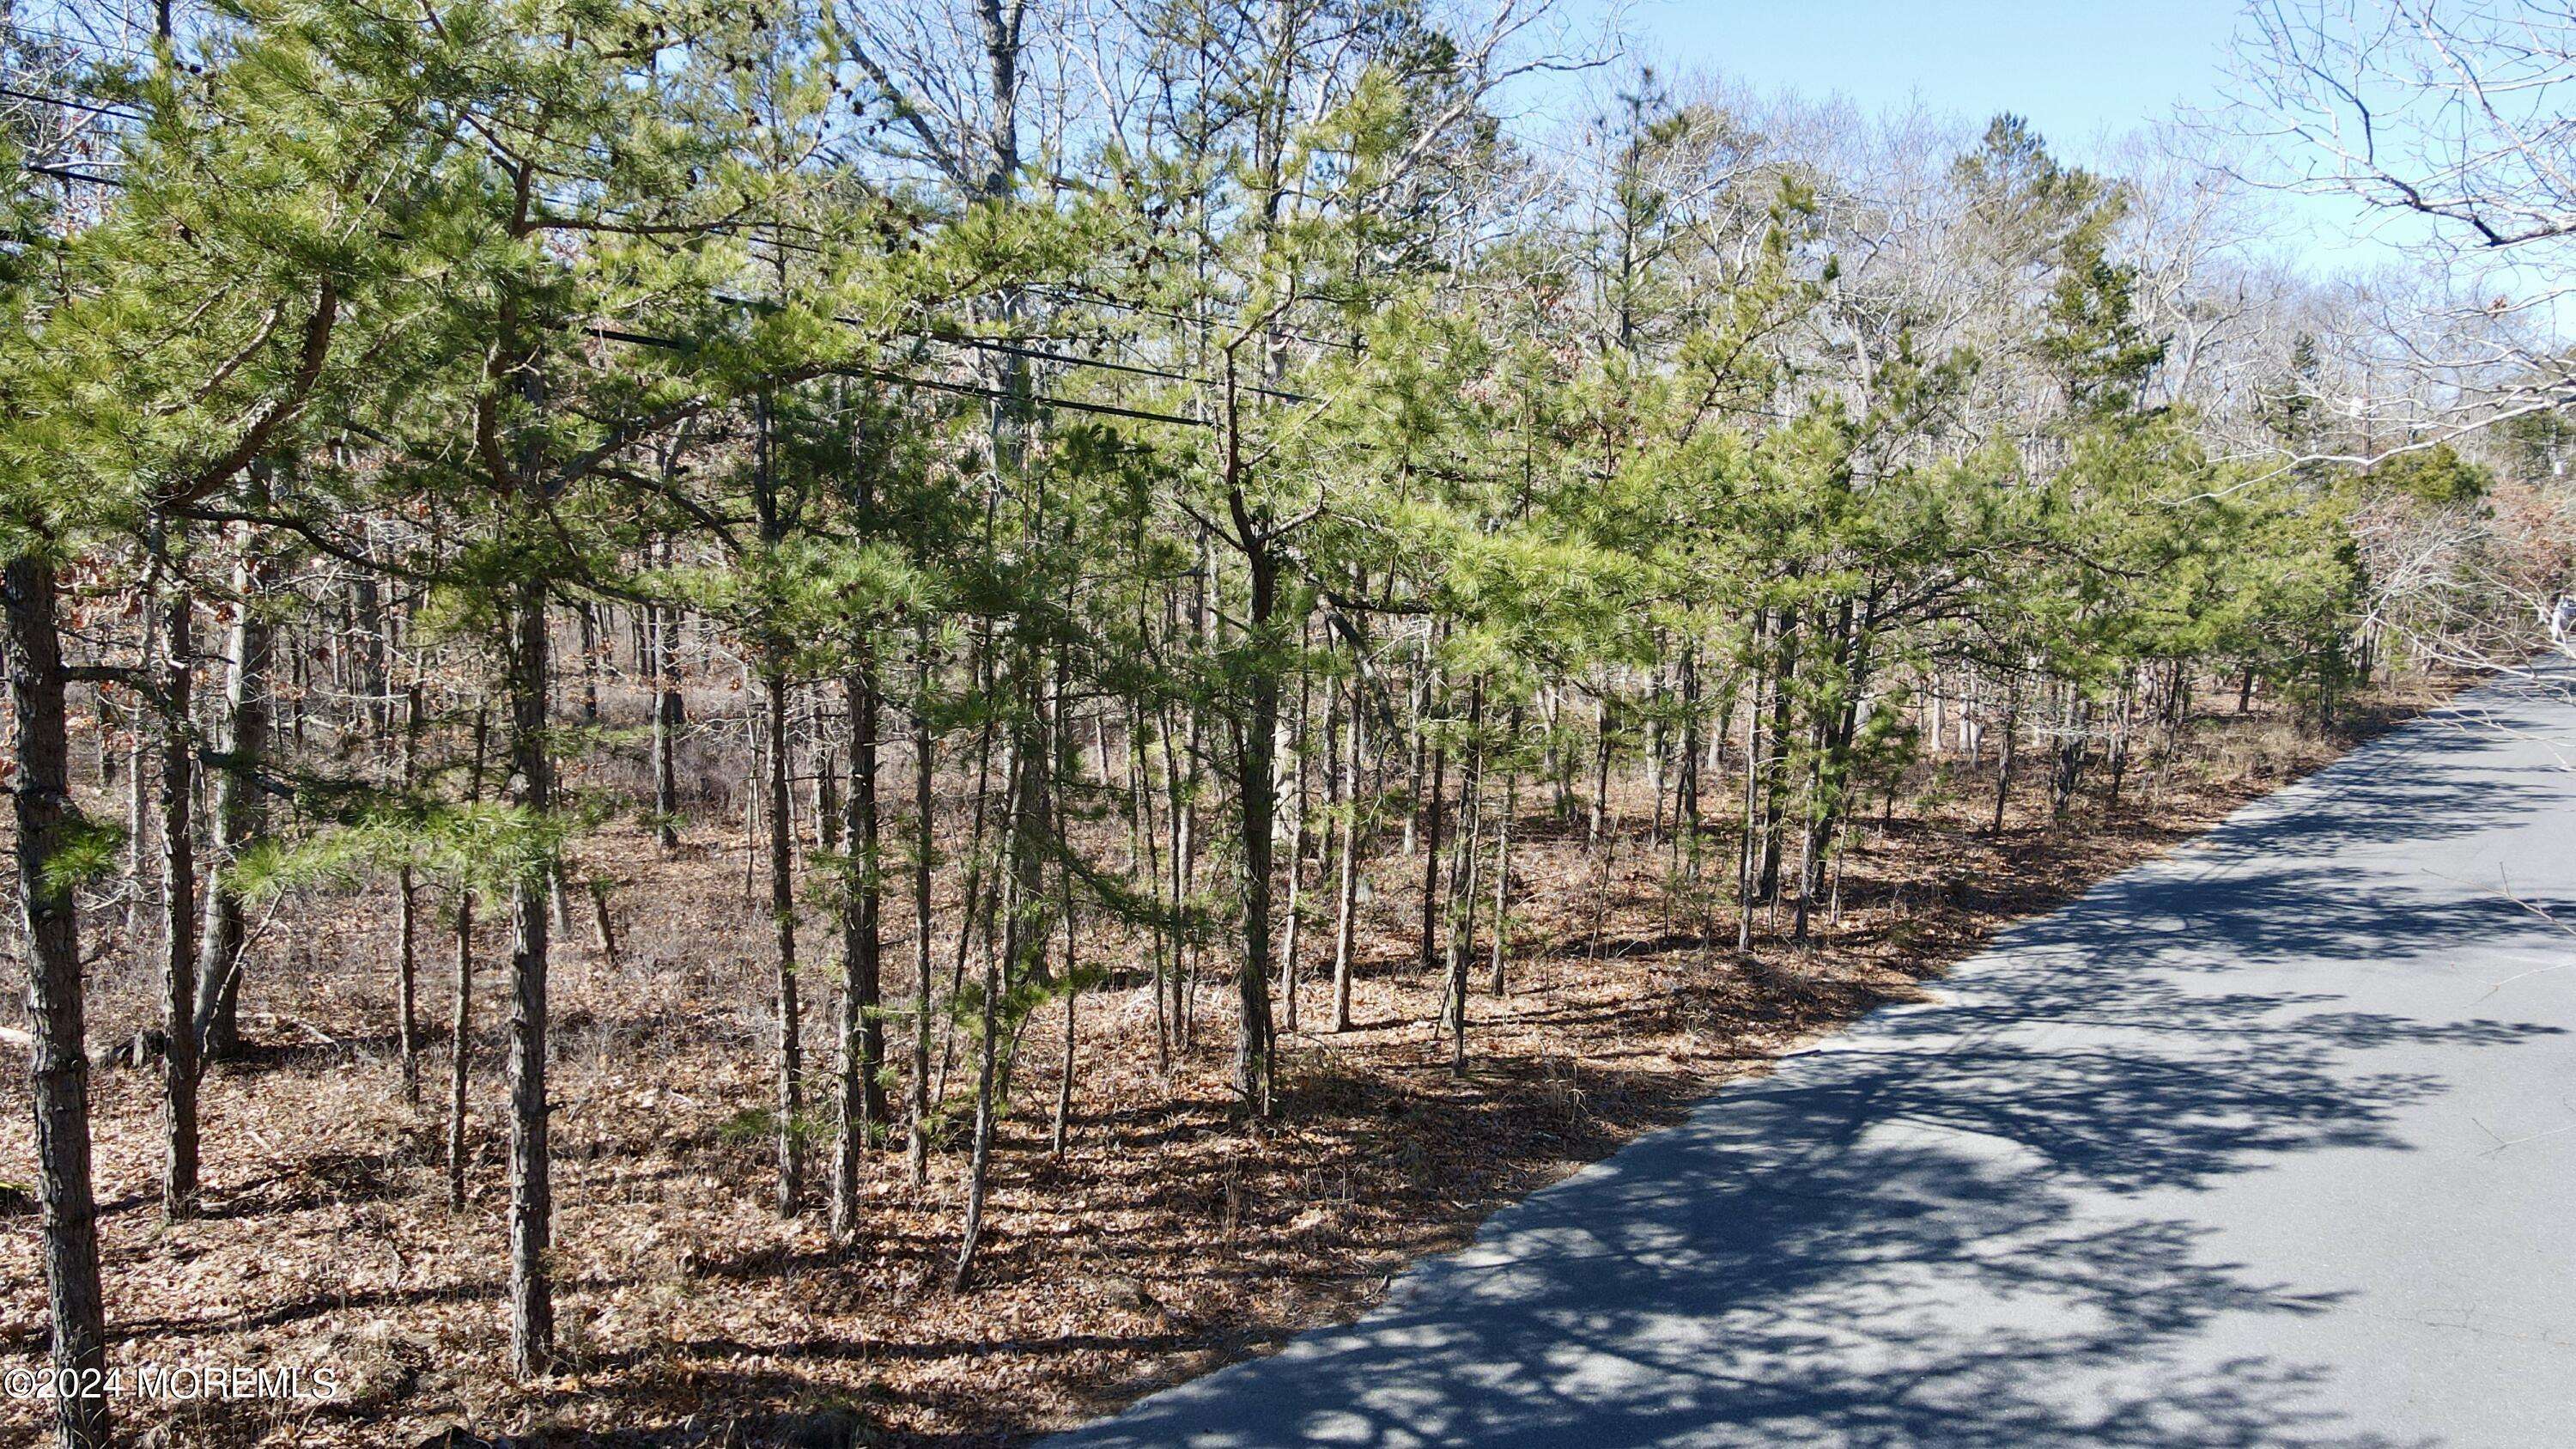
{"x": 1932, "y": 1230}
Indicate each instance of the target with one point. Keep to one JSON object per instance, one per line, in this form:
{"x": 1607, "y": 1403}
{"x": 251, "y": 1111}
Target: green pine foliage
{"x": 1123, "y": 468}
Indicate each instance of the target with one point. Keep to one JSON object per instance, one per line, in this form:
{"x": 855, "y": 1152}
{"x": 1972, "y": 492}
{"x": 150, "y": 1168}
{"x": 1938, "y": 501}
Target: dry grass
{"x": 1166, "y": 1240}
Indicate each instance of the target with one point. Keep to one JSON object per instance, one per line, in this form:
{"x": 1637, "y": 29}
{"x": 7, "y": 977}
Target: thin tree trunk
{"x": 138, "y": 774}
{"x": 666, "y": 723}
{"x": 59, "y": 1069}
{"x": 1296, "y": 851}
{"x": 1417, "y": 755}
{"x": 782, "y": 912}
{"x": 1072, "y": 998}
{"x": 979, "y": 1160}
{"x": 240, "y": 811}
{"x": 925, "y": 859}
{"x": 178, "y": 910}
{"x": 366, "y": 608}
{"x": 1067, "y": 773}
{"x": 1185, "y": 860}
{"x": 589, "y": 621}
{"x": 1753, "y": 773}
{"x": 2068, "y": 771}
{"x": 461, "y": 1024}
{"x": 1503, "y": 858}
{"x": 972, "y": 911}
{"x": 1257, "y": 787}
{"x": 1036, "y": 758}
{"x": 406, "y": 922}
{"x": 559, "y": 897}
{"x": 863, "y": 1104}
{"x": 1145, "y": 850}
{"x": 603, "y": 931}
{"x": 1609, "y": 840}
{"x": 1774, "y": 808}
{"x": 1463, "y": 879}
{"x": 1810, "y": 840}
{"x": 1346, "y": 891}
{"x": 2004, "y": 752}
{"x": 2128, "y": 703}
{"x": 1431, "y": 860}
{"x": 829, "y": 804}
{"x": 299, "y": 693}
{"x": 532, "y": 1311}
{"x": 1600, "y": 769}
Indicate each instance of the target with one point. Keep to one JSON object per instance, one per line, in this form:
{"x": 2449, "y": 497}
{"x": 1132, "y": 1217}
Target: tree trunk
{"x": 2119, "y": 751}
{"x": 1600, "y": 769}
{"x": 366, "y": 608}
{"x": 589, "y": 621}
{"x": 1179, "y": 786}
{"x": 1296, "y": 855}
{"x": 1463, "y": 879}
{"x": 1346, "y": 889}
{"x": 1754, "y": 767}
{"x": 48, "y": 825}
{"x": 461, "y": 1024}
{"x": 460, "y": 1053}
{"x": 1431, "y": 860}
{"x": 925, "y": 860}
{"x": 138, "y": 788}
{"x": 240, "y": 811}
{"x": 979, "y": 1160}
{"x": 1829, "y": 778}
{"x": 1776, "y": 750}
{"x": 1058, "y": 1129}
{"x": 1257, "y": 787}
{"x": 863, "y": 1104}
{"x": 1036, "y": 758}
{"x": 2005, "y": 750}
{"x": 532, "y": 1312}
{"x": 1145, "y": 850}
{"x": 406, "y": 921}
{"x": 974, "y": 912}
{"x": 666, "y": 723}
{"x": 2071, "y": 750}
{"x": 178, "y": 791}
{"x": 1503, "y": 857}
{"x": 1066, "y": 775}
{"x": 829, "y": 804}
{"x": 782, "y": 912}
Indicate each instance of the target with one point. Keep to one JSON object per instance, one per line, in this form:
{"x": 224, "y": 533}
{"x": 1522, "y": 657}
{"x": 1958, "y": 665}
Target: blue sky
{"x": 2079, "y": 70}
{"x": 2074, "y": 67}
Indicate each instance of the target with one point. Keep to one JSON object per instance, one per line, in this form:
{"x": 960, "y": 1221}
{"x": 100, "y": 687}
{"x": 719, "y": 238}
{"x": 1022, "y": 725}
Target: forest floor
{"x": 1166, "y": 1240}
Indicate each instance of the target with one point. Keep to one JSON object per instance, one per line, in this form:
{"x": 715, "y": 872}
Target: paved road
{"x": 2270, "y": 1142}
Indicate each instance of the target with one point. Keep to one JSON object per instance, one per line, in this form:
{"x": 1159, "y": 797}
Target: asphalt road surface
{"x": 2269, "y": 1142}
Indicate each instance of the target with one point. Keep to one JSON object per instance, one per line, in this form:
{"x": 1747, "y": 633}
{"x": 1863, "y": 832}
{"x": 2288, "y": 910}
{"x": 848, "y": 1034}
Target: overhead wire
{"x": 673, "y": 344}
{"x": 69, "y": 103}
{"x": 949, "y": 338}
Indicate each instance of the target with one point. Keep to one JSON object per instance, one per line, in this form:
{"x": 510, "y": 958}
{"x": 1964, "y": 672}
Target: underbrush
{"x": 1168, "y": 1237}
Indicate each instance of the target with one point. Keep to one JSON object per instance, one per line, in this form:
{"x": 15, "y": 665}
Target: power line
{"x": 950, "y": 338}
{"x": 991, "y": 345}
{"x": 1093, "y": 299}
{"x": 67, "y": 174}
{"x": 954, "y": 339}
{"x": 70, "y": 104}
{"x": 673, "y": 344}
{"x": 994, "y": 344}
{"x": 1104, "y": 409}
{"x": 79, "y": 42}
